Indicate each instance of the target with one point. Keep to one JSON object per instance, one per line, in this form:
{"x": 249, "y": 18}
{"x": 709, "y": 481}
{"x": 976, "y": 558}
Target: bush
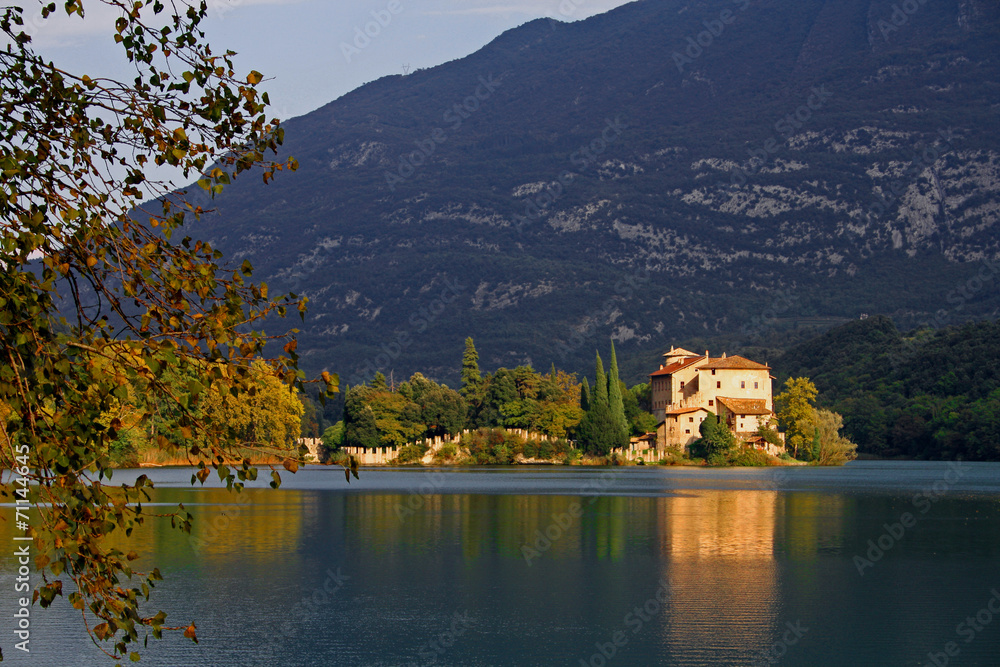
{"x": 717, "y": 460}
{"x": 124, "y": 451}
{"x": 446, "y": 453}
{"x": 750, "y": 458}
{"x": 412, "y": 453}
{"x": 530, "y": 450}
{"x": 546, "y": 450}
{"x": 672, "y": 458}
{"x": 492, "y": 446}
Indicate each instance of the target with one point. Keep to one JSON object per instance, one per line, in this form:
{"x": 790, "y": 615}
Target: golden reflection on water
{"x": 259, "y": 526}
{"x": 738, "y": 524}
{"x": 716, "y": 547}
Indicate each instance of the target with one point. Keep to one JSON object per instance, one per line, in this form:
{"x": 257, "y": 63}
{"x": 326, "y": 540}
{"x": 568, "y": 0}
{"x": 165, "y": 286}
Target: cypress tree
{"x": 472, "y": 380}
{"x": 595, "y": 434}
{"x": 585, "y": 395}
{"x": 600, "y": 396}
{"x": 616, "y": 403}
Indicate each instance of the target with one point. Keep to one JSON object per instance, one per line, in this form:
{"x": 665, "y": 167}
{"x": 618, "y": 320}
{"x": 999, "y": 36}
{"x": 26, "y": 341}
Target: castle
{"x": 688, "y": 386}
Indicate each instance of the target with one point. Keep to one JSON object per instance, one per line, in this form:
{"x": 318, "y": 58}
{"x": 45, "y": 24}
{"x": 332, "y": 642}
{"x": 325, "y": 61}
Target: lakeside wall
{"x": 385, "y": 455}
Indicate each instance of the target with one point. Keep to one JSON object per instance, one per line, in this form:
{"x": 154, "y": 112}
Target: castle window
{"x": 682, "y": 385}
{"x": 743, "y": 384}
{"x": 691, "y": 419}
{"x": 711, "y": 403}
{"x": 713, "y": 371}
{"x": 718, "y": 385}
{"x": 688, "y": 431}
{"x": 754, "y": 385}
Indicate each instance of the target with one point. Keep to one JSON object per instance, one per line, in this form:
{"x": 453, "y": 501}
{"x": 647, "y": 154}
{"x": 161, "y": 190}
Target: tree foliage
{"x": 472, "y": 379}
{"x": 616, "y": 403}
{"x": 925, "y": 394}
{"x": 796, "y": 412}
{"x": 419, "y": 408}
{"x": 717, "y": 443}
{"x": 101, "y": 293}
{"x": 831, "y": 448}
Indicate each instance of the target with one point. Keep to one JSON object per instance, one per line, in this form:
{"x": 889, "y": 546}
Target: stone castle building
{"x": 688, "y": 386}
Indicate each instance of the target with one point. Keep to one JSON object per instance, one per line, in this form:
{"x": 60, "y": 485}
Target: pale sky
{"x": 300, "y": 44}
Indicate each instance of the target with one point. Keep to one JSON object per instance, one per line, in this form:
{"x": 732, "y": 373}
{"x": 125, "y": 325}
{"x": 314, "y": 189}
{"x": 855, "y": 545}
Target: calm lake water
{"x": 871, "y": 564}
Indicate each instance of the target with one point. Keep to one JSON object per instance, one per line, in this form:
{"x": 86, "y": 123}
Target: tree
{"x": 616, "y": 403}
{"x": 270, "y": 418}
{"x": 832, "y": 449}
{"x": 585, "y": 395}
{"x": 333, "y": 437}
{"x": 472, "y": 380}
{"x": 359, "y": 419}
{"x": 640, "y": 421}
{"x": 717, "y": 442}
{"x": 86, "y": 266}
{"x": 796, "y": 412}
{"x": 600, "y": 395}
{"x": 442, "y": 411}
{"x": 596, "y": 432}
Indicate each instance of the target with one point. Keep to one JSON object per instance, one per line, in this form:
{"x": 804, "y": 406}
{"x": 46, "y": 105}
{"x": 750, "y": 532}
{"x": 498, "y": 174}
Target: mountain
{"x": 666, "y": 171}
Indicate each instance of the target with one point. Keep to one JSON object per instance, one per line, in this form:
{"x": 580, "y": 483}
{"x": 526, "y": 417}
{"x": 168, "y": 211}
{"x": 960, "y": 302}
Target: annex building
{"x": 688, "y": 386}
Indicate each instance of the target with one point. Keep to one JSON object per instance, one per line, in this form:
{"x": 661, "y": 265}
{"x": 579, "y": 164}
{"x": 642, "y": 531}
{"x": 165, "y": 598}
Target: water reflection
{"x": 546, "y": 578}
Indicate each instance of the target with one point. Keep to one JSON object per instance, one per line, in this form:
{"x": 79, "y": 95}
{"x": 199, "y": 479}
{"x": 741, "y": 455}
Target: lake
{"x": 876, "y": 563}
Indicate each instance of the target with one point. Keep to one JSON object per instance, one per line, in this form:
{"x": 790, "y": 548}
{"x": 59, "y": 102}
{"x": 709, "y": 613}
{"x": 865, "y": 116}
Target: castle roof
{"x": 744, "y": 406}
{"x": 679, "y": 352}
{"x": 670, "y": 369}
{"x": 734, "y": 362}
{"x": 683, "y": 411}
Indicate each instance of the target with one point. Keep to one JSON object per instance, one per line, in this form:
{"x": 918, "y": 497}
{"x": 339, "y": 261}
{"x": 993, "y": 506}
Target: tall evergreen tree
{"x": 472, "y": 380}
{"x": 585, "y": 395}
{"x": 378, "y": 382}
{"x": 600, "y": 396}
{"x": 596, "y": 433}
{"x": 616, "y": 402}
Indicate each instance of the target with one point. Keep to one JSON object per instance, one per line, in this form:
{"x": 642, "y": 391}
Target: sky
{"x": 314, "y": 51}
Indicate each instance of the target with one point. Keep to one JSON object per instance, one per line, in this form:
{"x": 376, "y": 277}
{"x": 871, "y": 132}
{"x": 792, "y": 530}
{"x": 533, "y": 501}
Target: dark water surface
{"x": 871, "y": 564}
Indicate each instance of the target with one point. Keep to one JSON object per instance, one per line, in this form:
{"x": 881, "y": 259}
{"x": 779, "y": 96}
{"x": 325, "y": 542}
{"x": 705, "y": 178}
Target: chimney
{"x": 723, "y": 355}
{"x": 706, "y": 355}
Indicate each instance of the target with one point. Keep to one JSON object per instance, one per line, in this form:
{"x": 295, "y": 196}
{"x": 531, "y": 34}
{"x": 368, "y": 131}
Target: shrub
{"x": 492, "y": 446}
{"x": 411, "y": 453}
{"x": 446, "y": 453}
{"x": 530, "y": 450}
{"x": 751, "y": 458}
{"x": 546, "y": 450}
{"x": 717, "y": 459}
{"x": 671, "y": 458}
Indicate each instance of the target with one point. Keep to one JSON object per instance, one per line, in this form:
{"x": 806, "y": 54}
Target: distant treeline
{"x": 926, "y": 394}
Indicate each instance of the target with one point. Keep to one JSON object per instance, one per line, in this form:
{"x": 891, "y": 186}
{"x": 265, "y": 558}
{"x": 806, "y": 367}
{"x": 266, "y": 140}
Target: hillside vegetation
{"x": 924, "y": 394}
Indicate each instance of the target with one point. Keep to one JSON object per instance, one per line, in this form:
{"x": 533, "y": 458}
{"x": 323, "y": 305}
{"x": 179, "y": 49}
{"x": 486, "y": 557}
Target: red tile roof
{"x": 734, "y": 362}
{"x": 676, "y": 366}
{"x": 745, "y": 406}
{"x": 684, "y": 411}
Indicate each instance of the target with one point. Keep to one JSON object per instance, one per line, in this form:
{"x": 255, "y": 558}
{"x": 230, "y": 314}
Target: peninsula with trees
{"x": 695, "y": 410}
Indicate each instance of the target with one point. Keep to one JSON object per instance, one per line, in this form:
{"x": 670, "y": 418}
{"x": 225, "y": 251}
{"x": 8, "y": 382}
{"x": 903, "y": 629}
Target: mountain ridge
{"x": 674, "y": 231}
